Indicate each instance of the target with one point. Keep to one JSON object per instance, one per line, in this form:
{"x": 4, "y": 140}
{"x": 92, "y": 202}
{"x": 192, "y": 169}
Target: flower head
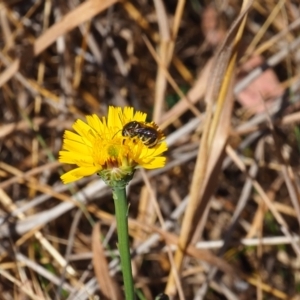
{"x": 113, "y": 147}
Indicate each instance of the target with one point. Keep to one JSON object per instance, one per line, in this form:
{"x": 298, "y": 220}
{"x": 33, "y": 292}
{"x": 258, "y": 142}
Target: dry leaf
{"x": 212, "y": 26}
{"x": 265, "y": 88}
{"x": 108, "y": 286}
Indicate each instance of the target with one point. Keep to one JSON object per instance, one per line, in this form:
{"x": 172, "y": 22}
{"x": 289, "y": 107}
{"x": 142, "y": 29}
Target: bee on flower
{"x": 113, "y": 147}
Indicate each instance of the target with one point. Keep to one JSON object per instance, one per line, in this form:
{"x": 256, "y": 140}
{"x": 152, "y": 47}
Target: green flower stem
{"x": 121, "y": 208}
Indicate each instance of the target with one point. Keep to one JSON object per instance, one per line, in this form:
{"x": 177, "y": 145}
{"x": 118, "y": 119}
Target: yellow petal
{"x": 85, "y": 130}
{"x": 114, "y": 117}
{"x": 71, "y": 136}
{"x": 76, "y": 159}
{"x": 95, "y": 123}
{"x": 128, "y": 112}
{"x": 140, "y": 116}
{"x": 77, "y": 147}
{"x": 78, "y": 173}
{"x": 157, "y": 162}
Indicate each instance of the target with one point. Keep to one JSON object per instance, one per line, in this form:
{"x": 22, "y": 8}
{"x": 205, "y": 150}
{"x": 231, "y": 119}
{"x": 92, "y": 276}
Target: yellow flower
{"x": 99, "y": 146}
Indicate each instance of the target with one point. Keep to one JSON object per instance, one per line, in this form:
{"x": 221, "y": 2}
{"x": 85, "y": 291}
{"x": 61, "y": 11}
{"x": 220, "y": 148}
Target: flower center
{"x": 113, "y": 151}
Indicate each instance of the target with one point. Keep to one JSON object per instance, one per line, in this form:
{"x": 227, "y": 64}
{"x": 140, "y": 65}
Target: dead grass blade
{"x": 80, "y": 14}
{"x": 9, "y": 72}
{"x": 108, "y": 286}
{"x": 7, "y": 202}
{"x": 286, "y": 170}
{"x": 267, "y": 288}
{"x": 267, "y": 201}
{"x": 19, "y": 284}
{"x": 193, "y": 96}
{"x": 140, "y": 19}
{"x": 165, "y": 52}
{"x": 201, "y": 254}
{"x": 171, "y": 80}
{"x": 77, "y": 16}
{"x": 216, "y": 131}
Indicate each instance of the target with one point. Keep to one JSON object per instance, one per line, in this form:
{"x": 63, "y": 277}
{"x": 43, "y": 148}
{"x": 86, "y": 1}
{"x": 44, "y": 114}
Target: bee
{"x": 150, "y": 136}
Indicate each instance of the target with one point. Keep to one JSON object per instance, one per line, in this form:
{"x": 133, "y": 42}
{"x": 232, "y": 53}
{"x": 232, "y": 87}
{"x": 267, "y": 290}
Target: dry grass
{"x": 229, "y": 194}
